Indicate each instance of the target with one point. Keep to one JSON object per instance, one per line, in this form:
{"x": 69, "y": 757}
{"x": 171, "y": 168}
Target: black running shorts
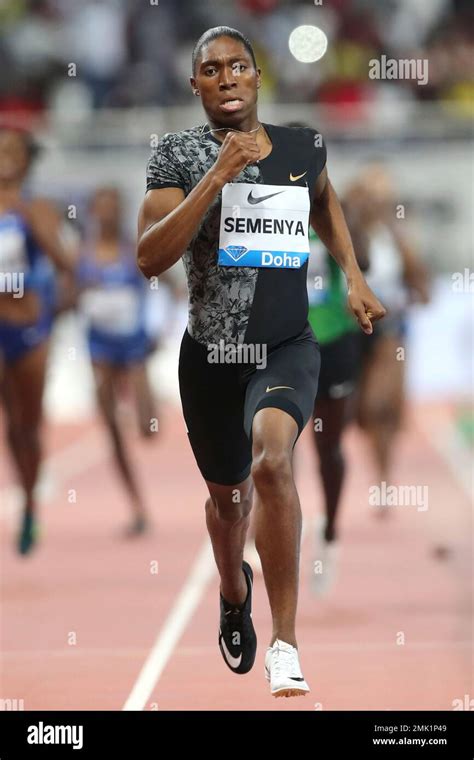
{"x": 220, "y": 400}
{"x": 340, "y": 366}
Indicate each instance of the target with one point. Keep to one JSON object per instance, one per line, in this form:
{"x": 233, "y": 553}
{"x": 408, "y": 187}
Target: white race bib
{"x": 264, "y": 226}
{"x": 385, "y": 274}
{"x": 13, "y": 255}
{"x": 115, "y": 311}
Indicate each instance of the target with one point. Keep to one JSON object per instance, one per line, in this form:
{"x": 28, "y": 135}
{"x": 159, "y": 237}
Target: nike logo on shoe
{"x": 251, "y": 198}
{"x": 242, "y": 655}
{"x": 293, "y": 179}
{"x": 233, "y": 662}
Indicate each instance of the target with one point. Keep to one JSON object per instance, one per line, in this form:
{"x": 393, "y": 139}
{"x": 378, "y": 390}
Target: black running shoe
{"x": 28, "y": 534}
{"x": 237, "y": 638}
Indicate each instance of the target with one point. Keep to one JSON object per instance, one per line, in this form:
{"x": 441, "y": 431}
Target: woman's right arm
{"x": 168, "y": 220}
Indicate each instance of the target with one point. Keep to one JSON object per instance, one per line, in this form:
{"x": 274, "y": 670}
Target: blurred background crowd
{"x": 127, "y": 56}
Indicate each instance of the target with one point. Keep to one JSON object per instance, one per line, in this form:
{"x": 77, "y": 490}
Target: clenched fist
{"x": 238, "y": 150}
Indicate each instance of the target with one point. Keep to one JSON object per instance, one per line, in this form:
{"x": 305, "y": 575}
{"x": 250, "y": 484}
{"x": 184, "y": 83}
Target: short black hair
{"x": 214, "y": 34}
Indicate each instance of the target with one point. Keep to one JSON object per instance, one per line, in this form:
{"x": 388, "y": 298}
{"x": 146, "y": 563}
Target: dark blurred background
{"x": 128, "y": 55}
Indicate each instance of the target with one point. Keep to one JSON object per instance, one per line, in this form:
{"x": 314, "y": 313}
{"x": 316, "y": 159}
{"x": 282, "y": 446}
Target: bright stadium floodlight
{"x": 307, "y": 43}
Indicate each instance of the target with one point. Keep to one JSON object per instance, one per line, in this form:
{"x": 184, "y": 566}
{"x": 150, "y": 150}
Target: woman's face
{"x": 106, "y": 208}
{"x": 14, "y": 156}
{"x": 375, "y": 194}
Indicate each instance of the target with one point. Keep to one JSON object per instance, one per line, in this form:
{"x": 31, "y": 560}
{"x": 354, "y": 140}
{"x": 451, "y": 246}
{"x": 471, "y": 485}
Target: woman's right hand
{"x": 238, "y": 150}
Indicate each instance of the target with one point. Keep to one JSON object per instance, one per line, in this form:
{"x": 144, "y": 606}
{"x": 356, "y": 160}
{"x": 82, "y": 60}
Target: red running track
{"x": 81, "y": 616}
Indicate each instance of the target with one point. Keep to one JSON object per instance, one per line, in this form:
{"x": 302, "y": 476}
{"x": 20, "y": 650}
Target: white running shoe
{"x": 325, "y": 563}
{"x": 282, "y": 669}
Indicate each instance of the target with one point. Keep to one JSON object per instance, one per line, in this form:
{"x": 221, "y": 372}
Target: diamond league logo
{"x": 236, "y": 251}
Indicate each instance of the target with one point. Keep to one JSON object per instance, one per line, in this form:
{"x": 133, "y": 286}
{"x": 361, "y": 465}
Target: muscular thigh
{"x": 288, "y": 382}
{"x": 212, "y": 398}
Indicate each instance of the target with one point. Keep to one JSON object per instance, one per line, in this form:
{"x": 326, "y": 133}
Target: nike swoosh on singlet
{"x": 234, "y": 662}
{"x": 275, "y": 387}
{"x": 253, "y": 200}
{"x": 293, "y": 179}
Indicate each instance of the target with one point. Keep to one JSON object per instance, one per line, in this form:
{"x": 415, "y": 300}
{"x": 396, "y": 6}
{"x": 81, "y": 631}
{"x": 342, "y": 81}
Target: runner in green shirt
{"x": 338, "y": 336}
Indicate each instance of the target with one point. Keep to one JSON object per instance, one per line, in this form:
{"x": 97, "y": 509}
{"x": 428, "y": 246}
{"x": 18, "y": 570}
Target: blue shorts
{"x": 120, "y": 350}
{"x": 16, "y": 341}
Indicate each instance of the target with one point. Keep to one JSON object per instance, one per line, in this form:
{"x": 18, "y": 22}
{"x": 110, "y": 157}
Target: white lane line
{"x": 187, "y": 602}
{"x": 201, "y": 573}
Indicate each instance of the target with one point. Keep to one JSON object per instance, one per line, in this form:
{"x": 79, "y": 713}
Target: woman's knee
{"x": 271, "y": 467}
{"x": 232, "y": 508}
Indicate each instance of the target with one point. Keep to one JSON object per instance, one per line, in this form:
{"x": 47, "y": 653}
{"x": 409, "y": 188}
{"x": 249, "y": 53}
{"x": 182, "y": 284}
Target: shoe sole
{"x": 287, "y": 691}
{"x": 290, "y": 693}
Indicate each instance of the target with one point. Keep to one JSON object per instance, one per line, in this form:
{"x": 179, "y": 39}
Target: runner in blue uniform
{"x": 112, "y": 302}
{"x": 30, "y": 251}
{"x": 233, "y": 197}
